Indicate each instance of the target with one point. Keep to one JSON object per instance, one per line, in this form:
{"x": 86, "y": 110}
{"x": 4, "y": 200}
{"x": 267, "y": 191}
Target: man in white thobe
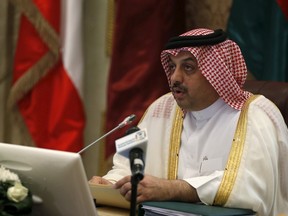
{"x": 209, "y": 140}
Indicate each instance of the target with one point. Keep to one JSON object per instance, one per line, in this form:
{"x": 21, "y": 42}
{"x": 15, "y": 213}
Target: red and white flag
{"x": 48, "y": 70}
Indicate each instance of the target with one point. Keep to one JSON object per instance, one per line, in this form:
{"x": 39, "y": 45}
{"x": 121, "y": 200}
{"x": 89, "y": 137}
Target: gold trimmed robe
{"x": 256, "y": 174}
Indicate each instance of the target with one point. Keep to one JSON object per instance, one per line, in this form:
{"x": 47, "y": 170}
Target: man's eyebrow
{"x": 189, "y": 59}
{"x": 186, "y": 59}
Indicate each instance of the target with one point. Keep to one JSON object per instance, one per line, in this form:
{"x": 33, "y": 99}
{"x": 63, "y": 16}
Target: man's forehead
{"x": 183, "y": 55}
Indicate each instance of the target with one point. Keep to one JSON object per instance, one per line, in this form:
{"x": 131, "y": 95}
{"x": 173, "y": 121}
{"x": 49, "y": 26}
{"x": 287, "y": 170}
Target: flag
{"x": 261, "y": 30}
{"x": 47, "y": 74}
{"x": 136, "y": 77}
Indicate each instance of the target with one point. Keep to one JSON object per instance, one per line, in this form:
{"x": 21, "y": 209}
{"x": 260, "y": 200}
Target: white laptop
{"x": 56, "y": 179}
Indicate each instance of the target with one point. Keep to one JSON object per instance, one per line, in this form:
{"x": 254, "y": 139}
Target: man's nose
{"x": 177, "y": 76}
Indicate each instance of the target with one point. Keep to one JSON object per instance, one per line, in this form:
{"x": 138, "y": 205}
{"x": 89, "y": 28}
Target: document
{"x": 106, "y": 195}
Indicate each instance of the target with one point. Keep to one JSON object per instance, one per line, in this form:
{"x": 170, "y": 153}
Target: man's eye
{"x": 171, "y": 68}
{"x": 189, "y": 67}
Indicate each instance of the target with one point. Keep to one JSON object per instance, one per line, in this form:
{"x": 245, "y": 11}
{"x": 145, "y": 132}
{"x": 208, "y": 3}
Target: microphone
{"x": 126, "y": 121}
{"x": 133, "y": 146}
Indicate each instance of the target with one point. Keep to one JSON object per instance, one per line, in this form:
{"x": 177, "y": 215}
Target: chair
{"x": 277, "y": 92}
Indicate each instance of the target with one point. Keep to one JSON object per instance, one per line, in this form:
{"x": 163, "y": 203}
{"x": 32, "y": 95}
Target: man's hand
{"x": 151, "y": 188}
{"x": 99, "y": 180}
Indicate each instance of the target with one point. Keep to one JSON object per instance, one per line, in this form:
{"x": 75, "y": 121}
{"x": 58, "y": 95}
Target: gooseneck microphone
{"x": 137, "y": 163}
{"x": 126, "y": 121}
{"x": 133, "y": 146}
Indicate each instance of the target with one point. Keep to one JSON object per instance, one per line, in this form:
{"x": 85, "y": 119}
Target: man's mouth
{"x": 178, "y": 91}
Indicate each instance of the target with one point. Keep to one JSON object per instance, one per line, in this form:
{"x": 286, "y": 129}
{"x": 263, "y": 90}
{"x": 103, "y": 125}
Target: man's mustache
{"x": 177, "y": 86}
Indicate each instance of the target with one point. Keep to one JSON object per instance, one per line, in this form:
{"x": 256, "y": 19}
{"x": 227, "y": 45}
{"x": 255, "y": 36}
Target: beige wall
{"x": 95, "y": 80}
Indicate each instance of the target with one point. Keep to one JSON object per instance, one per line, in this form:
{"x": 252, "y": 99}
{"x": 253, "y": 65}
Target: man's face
{"x": 190, "y": 88}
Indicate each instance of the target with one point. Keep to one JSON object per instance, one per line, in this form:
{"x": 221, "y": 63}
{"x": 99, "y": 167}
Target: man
{"x": 210, "y": 140}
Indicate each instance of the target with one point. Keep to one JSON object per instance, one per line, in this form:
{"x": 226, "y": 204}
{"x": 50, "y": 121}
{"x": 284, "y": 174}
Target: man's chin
{"x": 181, "y": 104}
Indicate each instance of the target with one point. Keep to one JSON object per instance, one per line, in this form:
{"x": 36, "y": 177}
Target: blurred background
{"x": 72, "y": 70}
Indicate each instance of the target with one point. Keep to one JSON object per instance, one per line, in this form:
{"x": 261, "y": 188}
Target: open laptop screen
{"x": 56, "y": 179}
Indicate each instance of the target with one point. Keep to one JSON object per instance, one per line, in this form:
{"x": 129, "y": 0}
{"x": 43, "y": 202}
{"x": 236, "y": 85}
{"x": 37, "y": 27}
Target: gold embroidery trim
{"x": 175, "y": 144}
{"x": 235, "y": 156}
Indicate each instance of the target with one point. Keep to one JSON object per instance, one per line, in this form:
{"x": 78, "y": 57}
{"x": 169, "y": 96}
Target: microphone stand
{"x": 135, "y": 179}
{"x": 137, "y": 168}
{"x": 125, "y": 122}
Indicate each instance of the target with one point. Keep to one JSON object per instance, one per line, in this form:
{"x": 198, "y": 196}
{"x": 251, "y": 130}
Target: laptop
{"x": 56, "y": 179}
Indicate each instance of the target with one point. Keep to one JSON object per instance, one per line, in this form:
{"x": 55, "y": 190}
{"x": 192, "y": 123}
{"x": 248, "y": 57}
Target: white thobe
{"x": 205, "y": 145}
{"x": 255, "y": 175}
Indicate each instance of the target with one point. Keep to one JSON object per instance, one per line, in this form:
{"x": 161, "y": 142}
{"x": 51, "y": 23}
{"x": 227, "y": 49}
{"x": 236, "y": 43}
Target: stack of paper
{"x": 108, "y": 196}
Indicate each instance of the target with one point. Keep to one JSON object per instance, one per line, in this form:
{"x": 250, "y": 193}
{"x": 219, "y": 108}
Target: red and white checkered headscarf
{"x": 221, "y": 64}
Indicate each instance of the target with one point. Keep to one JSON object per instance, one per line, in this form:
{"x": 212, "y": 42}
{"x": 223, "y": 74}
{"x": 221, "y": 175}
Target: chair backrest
{"x": 277, "y": 92}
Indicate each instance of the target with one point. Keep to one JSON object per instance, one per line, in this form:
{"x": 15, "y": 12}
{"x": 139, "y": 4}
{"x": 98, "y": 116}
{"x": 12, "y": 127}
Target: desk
{"x": 112, "y": 211}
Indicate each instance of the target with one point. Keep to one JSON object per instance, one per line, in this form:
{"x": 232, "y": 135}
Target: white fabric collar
{"x": 208, "y": 112}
